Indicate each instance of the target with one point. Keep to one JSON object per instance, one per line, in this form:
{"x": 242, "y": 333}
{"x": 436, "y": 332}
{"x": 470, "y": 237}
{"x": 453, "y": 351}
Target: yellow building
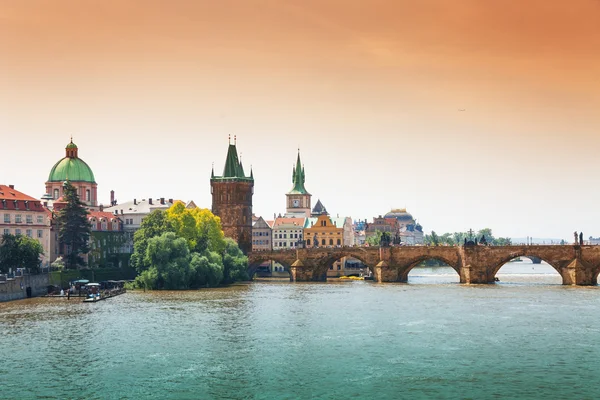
{"x": 324, "y": 232}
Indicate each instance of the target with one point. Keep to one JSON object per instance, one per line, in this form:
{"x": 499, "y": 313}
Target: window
{"x": 17, "y": 231}
{"x": 339, "y": 267}
{"x": 28, "y": 232}
{"x": 18, "y": 218}
{"x": 29, "y": 219}
{"x": 308, "y": 242}
{"x": 55, "y": 194}
{"x": 339, "y": 242}
{"x": 331, "y": 242}
{"x": 40, "y": 219}
{"x": 40, "y": 233}
{"x": 331, "y": 267}
{"x": 323, "y": 242}
{"x": 7, "y": 231}
{"x": 285, "y": 235}
{"x": 88, "y": 195}
{"x": 323, "y": 223}
{"x": 295, "y": 236}
{"x": 104, "y": 226}
{"x": 7, "y": 218}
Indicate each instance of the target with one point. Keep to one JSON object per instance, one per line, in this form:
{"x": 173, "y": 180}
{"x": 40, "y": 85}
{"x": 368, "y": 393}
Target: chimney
{"x": 112, "y": 197}
{"x": 171, "y": 201}
{"x": 150, "y": 200}
{"x": 11, "y": 186}
{"x": 162, "y": 200}
{"x": 134, "y": 202}
{"x": 101, "y": 207}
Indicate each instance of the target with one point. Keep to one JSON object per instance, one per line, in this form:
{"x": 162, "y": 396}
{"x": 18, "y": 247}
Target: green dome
{"x": 72, "y": 169}
{"x": 71, "y": 145}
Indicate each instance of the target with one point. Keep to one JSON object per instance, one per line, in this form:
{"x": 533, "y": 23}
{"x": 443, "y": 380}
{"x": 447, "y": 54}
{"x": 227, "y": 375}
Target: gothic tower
{"x": 298, "y": 199}
{"x": 232, "y": 199}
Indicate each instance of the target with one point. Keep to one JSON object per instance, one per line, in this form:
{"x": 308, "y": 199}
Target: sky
{"x": 372, "y": 93}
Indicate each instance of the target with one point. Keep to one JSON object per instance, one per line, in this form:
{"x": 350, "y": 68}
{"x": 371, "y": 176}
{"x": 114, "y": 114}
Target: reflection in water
{"x": 309, "y": 340}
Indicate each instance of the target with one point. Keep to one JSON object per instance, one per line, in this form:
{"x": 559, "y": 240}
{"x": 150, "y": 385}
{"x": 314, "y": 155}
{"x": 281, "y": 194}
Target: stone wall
{"x": 11, "y": 289}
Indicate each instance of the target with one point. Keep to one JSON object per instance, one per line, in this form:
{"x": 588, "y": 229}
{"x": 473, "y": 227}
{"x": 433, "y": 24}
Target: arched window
{"x": 331, "y": 242}
{"x": 88, "y": 195}
{"x": 323, "y": 223}
{"x": 323, "y": 242}
{"x": 339, "y": 242}
{"x": 308, "y": 242}
{"x": 55, "y": 194}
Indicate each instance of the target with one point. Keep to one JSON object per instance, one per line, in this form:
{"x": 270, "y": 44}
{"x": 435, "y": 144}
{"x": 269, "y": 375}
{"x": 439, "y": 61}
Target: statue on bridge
{"x": 397, "y": 240}
{"x": 385, "y": 239}
{"x": 483, "y": 242}
{"x": 576, "y": 238}
{"x": 581, "y": 238}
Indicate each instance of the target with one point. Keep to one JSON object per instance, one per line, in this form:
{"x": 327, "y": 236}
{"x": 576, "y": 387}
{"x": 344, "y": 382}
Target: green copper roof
{"x": 298, "y": 178}
{"x": 233, "y": 167}
{"x": 71, "y": 145}
{"x": 72, "y": 169}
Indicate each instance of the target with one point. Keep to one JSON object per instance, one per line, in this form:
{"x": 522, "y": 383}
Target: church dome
{"x": 400, "y": 214}
{"x": 71, "y": 168}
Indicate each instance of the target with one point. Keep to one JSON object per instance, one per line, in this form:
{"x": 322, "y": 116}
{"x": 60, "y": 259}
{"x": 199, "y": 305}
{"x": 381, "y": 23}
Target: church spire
{"x": 298, "y": 177}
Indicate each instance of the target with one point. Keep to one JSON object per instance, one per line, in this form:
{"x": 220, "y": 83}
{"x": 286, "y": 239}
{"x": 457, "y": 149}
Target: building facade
{"x": 288, "y": 233}
{"x": 132, "y": 213}
{"x": 108, "y": 241}
{"x": 232, "y": 200}
{"x": 298, "y": 199}
{"x": 262, "y": 235}
{"x": 397, "y": 222}
{"x": 78, "y": 173}
{"x": 22, "y": 214}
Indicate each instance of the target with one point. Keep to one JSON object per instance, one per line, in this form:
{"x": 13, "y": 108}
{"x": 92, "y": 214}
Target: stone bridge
{"x": 577, "y": 265}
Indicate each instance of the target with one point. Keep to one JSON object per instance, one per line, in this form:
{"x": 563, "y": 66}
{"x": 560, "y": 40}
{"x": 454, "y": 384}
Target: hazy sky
{"x": 370, "y": 91}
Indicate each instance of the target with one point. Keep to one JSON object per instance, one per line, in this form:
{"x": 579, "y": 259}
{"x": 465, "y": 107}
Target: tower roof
{"x": 319, "y": 208}
{"x": 298, "y": 178}
{"x": 233, "y": 166}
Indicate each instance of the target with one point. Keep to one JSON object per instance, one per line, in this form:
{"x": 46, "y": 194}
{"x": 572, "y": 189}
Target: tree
{"x": 374, "y": 240}
{"x": 234, "y": 263}
{"x": 200, "y": 227}
{"x": 207, "y": 269}
{"x": 168, "y": 255}
{"x": 155, "y": 224}
{"x": 73, "y": 227}
{"x": 18, "y": 251}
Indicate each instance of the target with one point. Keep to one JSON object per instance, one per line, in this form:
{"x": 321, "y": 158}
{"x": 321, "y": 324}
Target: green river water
{"x": 429, "y": 339}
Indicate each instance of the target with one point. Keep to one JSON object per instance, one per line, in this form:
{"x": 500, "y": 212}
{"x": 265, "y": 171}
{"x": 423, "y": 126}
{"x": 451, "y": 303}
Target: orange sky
{"x": 370, "y": 91}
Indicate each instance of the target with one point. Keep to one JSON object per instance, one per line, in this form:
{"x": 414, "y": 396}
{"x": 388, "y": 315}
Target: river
{"x": 525, "y": 337}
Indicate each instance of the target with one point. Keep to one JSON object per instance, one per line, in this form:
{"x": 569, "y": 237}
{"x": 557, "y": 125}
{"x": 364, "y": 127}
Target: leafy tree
{"x": 17, "y": 251}
{"x": 200, "y": 227}
{"x": 374, "y": 240}
{"x": 169, "y": 256}
{"x": 432, "y": 240}
{"x": 207, "y": 269}
{"x": 73, "y": 227}
{"x": 234, "y": 263}
{"x": 155, "y": 224}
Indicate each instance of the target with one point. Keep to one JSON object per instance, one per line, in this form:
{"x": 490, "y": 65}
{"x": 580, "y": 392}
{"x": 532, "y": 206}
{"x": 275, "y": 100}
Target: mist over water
{"x": 525, "y": 337}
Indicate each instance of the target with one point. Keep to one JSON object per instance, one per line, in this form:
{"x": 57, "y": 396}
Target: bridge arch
{"x": 323, "y": 264}
{"x": 255, "y": 259}
{"x": 493, "y": 271}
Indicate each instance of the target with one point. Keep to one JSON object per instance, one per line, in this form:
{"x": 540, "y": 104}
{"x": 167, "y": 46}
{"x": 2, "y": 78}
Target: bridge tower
{"x": 232, "y": 199}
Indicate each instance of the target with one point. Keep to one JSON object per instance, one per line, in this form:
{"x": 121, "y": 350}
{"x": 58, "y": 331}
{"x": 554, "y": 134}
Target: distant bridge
{"x": 577, "y": 265}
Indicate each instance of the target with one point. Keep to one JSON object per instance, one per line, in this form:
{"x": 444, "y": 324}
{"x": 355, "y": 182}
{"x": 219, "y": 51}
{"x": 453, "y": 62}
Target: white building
{"x": 262, "y": 235}
{"x": 287, "y": 232}
{"x": 132, "y": 213}
{"x": 25, "y": 215}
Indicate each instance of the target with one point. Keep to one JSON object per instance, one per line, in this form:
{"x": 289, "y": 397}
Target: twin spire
{"x": 298, "y": 178}
{"x": 233, "y": 164}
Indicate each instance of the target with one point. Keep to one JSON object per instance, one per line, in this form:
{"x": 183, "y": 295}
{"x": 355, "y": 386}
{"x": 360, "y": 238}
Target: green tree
{"x": 200, "y": 227}
{"x": 235, "y": 263}
{"x": 169, "y": 256}
{"x": 155, "y": 224}
{"x": 207, "y": 269}
{"x": 73, "y": 227}
{"x": 17, "y": 251}
{"x": 374, "y": 240}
